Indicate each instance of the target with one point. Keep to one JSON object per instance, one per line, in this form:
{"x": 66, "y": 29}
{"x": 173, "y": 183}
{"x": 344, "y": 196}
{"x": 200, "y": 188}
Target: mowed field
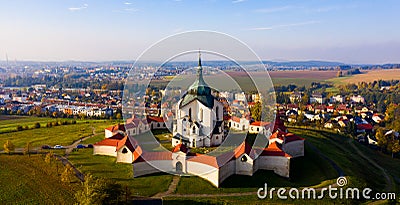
{"x": 61, "y": 134}
{"x": 369, "y": 76}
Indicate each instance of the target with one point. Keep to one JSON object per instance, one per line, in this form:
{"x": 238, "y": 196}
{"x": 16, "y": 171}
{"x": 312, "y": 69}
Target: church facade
{"x": 199, "y": 116}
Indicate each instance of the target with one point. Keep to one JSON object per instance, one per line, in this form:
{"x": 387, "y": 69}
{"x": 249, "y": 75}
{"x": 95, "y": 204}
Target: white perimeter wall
{"x": 279, "y": 164}
{"x": 104, "y": 150}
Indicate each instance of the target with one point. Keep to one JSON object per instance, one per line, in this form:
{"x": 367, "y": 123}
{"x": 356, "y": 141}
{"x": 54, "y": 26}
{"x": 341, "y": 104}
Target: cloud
{"x": 285, "y": 25}
{"x": 238, "y": 1}
{"x": 84, "y": 6}
{"x": 127, "y": 3}
{"x": 126, "y": 10}
{"x": 274, "y": 9}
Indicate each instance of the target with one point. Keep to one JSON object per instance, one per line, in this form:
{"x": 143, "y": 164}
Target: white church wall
{"x": 108, "y": 133}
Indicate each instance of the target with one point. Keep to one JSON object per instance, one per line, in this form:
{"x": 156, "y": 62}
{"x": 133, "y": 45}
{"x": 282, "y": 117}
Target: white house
{"x": 316, "y": 98}
{"x": 357, "y": 99}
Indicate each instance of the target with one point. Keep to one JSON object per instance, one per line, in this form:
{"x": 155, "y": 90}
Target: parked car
{"x": 58, "y": 147}
{"x": 46, "y": 147}
{"x": 89, "y": 146}
{"x": 80, "y": 146}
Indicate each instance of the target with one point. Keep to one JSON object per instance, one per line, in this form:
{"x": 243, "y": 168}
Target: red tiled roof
{"x": 154, "y": 119}
{"x": 116, "y": 128}
{"x": 117, "y": 136}
{"x": 364, "y": 127}
{"x": 127, "y": 142}
{"x": 236, "y": 119}
{"x": 152, "y": 156}
{"x": 290, "y": 137}
{"x": 274, "y": 150}
{"x": 108, "y": 142}
{"x": 259, "y": 123}
{"x": 180, "y": 147}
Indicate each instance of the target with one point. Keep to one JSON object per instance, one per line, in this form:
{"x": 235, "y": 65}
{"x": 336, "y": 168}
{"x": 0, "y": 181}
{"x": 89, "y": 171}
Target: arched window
{"x": 124, "y": 151}
{"x": 194, "y": 130}
{"x": 190, "y": 113}
{"x": 201, "y": 114}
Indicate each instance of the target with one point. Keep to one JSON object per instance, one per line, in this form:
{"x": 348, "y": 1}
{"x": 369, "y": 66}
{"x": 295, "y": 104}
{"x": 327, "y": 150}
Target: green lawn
{"x": 28, "y": 180}
{"x": 105, "y": 166}
{"x": 62, "y": 134}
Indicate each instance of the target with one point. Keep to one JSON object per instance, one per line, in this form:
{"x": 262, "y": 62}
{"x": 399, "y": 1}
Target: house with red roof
{"x": 110, "y": 131}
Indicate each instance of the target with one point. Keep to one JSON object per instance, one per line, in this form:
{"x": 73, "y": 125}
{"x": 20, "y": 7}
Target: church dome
{"x": 199, "y": 90}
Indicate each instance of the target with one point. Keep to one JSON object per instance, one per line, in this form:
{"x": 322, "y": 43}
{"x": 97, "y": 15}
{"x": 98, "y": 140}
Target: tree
{"x": 381, "y": 138}
{"x": 256, "y": 111}
{"x": 394, "y": 147}
{"x": 9, "y": 147}
{"x": 67, "y": 175}
{"x": 27, "y": 148}
{"x": 98, "y": 191}
{"x": 37, "y": 125}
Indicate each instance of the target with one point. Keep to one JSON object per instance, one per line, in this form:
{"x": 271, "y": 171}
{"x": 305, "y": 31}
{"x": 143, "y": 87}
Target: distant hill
{"x": 303, "y": 63}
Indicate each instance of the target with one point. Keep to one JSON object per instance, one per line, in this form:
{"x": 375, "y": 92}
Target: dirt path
{"x": 389, "y": 181}
{"x": 171, "y": 188}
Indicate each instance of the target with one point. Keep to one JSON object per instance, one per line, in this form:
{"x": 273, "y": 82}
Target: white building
{"x": 337, "y": 99}
{"x": 316, "y": 98}
{"x": 240, "y": 96}
{"x": 199, "y": 116}
{"x": 357, "y": 99}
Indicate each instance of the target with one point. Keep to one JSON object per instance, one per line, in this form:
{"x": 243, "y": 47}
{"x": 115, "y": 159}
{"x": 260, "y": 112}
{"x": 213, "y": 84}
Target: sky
{"x": 356, "y": 31}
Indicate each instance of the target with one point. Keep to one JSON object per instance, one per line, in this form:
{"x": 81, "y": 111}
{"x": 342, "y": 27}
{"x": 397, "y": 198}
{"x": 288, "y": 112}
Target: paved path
{"x": 71, "y": 147}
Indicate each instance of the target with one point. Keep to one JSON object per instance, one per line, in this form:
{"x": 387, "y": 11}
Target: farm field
{"x": 369, "y": 76}
{"x": 28, "y": 180}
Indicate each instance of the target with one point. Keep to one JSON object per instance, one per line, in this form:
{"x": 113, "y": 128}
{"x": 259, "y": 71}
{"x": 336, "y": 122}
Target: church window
{"x": 124, "y": 151}
{"x": 243, "y": 159}
{"x": 194, "y": 130}
{"x": 217, "y": 113}
{"x": 190, "y": 113}
{"x": 258, "y": 129}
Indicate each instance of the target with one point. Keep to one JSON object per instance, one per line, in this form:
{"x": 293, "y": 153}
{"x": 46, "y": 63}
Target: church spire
{"x": 200, "y": 69}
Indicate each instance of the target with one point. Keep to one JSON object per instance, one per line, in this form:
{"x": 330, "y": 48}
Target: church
{"x": 199, "y": 122}
{"x": 199, "y": 116}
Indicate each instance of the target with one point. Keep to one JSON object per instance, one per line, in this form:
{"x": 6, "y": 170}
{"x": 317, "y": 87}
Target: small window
{"x": 243, "y": 159}
{"x": 124, "y": 151}
{"x": 216, "y": 137}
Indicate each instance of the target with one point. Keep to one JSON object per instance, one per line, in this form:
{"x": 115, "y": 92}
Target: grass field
{"x": 105, "y": 166}
{"x": 62, "y": 134}
{"x": 23, "y": 180}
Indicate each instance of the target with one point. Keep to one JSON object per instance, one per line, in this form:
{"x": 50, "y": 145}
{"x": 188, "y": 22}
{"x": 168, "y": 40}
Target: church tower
{"x": 199, "y": 115}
